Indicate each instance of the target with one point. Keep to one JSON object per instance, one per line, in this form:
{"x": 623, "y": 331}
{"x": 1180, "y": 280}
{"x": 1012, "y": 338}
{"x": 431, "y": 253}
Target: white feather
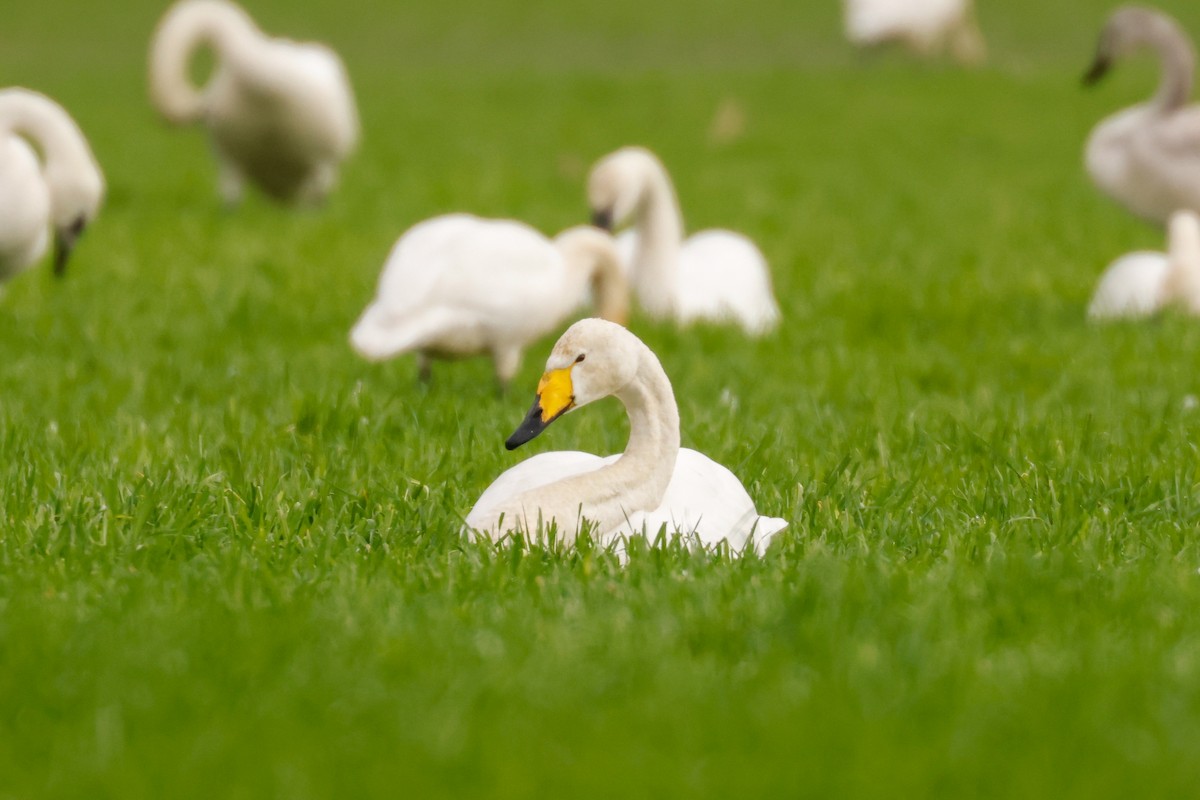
{"x": 458, "y": 285}
{"x": 281, "y": 114}
{"x": 654, "y": 486}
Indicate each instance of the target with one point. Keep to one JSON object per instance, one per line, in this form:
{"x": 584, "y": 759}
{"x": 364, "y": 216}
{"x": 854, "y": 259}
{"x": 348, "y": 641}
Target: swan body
{"x": 924, "y": 26}
{"x": 1141, "y": 284}
{"x": 458, "y": 285}
{"x": 281, "y": 114}
{"x": 60, "y": 192}
{"x": 1148, "y": 157}
{"x": 715, "y": 275}
{"x": 653, "y": 486}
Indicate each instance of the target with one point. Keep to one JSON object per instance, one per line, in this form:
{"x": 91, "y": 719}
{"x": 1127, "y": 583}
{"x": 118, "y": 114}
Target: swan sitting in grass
{"x": 653, "y": 486}
{"x": 1140, "y": 284}
{"x": 1147, "y": 157}
{"x": 715, "y": 275}
{"x": 925, "y": 26}
{"x": 280, "y": 113}
{"x": 60, "y": 191}
{"x": 458, "y": 285}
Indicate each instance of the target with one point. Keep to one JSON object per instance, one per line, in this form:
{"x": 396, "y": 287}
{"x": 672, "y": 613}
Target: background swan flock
{"x": 281, "y": 117}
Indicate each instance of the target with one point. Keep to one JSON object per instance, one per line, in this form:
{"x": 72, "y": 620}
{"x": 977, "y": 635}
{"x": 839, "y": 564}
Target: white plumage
{"x": 653, "y": 486}
{"x": 1148, "y": 157}
{"x": 715, "y": 275}
{"x": 61, "y": 192}
{"x": 458, "y": 285}
{"x": 1132, "y": 286}
{"x": 925, "y": 26}
{"x": 281, "y": 114}
{"x": 1141, "y": 284}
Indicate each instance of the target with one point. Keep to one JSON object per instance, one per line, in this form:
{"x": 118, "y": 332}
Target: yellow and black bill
{"x": 555, "y": 397}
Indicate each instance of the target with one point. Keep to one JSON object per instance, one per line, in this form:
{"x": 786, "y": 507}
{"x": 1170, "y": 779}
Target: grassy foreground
{"x": 229, "y": 562}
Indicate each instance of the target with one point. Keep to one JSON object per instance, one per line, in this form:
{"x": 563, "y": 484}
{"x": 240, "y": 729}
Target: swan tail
{"x": 381, "y": 333}
{"x": 187, "y": 26}
{"x": 764, "y": 531}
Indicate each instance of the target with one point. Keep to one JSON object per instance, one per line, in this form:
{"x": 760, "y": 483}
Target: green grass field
{"x": 229, "y": 561}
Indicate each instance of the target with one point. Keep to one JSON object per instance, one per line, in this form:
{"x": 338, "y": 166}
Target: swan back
{"x": 876, "y": 21}
{"x": 459, "y": 285}
{"x": 1134, "y": 285}
{"x": 707, "y": 505}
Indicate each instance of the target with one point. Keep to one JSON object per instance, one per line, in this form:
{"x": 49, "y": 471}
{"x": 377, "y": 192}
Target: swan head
{"x": 1129, "y": 29}
{"x": 77, "y": 191}
{"x": 616, "y": 185}
{"x": 592, "y": 360}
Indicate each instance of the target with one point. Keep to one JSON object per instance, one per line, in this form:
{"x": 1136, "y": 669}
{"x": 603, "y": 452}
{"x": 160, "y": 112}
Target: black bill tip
{"x": 1097, "y": 71}
{"x": 62, "y": 254}
{"x": 529, "y": 428}
{"x": 64, "y": 243}
{"x": 603, "y": 219}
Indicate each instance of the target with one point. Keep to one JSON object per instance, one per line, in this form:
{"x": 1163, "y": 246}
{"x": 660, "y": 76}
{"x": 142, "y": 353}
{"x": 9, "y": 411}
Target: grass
{"x": 229, "y": 562}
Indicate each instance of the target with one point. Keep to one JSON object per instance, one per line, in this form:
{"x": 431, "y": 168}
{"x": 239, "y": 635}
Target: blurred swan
{"x": 715, "y": 275}
{"x": 280, "y": 113}
{"x": 1147, "y": 157}
{"x": 925, "y": 26}
{"x": 60, "y": 191}
{"x": 1140, "y": 284}
{"x": 458, "y": 285}
{"x": 653, "y": 485}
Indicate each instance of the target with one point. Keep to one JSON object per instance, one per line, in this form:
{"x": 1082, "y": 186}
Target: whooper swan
{"x": 458, "y": 285}
{"x": 653, "y": 486}
{"x": 280, "y": 113}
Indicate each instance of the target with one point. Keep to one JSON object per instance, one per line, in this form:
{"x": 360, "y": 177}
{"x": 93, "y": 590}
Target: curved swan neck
{"x": 591, "y": 257}
{"x": 49, "y": 128}
{"x": 653, "y": 425}
{"x": 1178, "y": 63}
{"x": 188, "y": 26}
{"x": 1175, "y": 53}
{"x": 659, "y": 226}
{"x": 637, "y": 481}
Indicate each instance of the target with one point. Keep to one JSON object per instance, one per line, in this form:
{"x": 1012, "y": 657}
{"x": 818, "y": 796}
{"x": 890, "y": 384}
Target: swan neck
{"x": 653, "y": 427}
{"x": 591, "y": 258}
{"x": 1178, "y": 60}
{"x": 49, "y": 128}
{"x": 187, "y": 27}
{"x": 638, "y": 480}
{"x": 1184, "y": 269}
{"x": 659, "y": 226}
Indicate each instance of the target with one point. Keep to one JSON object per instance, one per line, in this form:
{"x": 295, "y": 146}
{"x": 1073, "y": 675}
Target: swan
{"x": 1140, "y": 284}
{"x": 1147, "y": 157}
{"x": 715, "y": 275}
{"x": 281, "y": 114}
{"x": 458, "y": 285}
{"x": 653, "y": 486}
{"x": 924, "y": 26}
{"x": 62, "y": 190}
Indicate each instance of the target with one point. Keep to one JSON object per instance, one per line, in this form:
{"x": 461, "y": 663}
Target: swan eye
{"x": 580, "y": 357}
